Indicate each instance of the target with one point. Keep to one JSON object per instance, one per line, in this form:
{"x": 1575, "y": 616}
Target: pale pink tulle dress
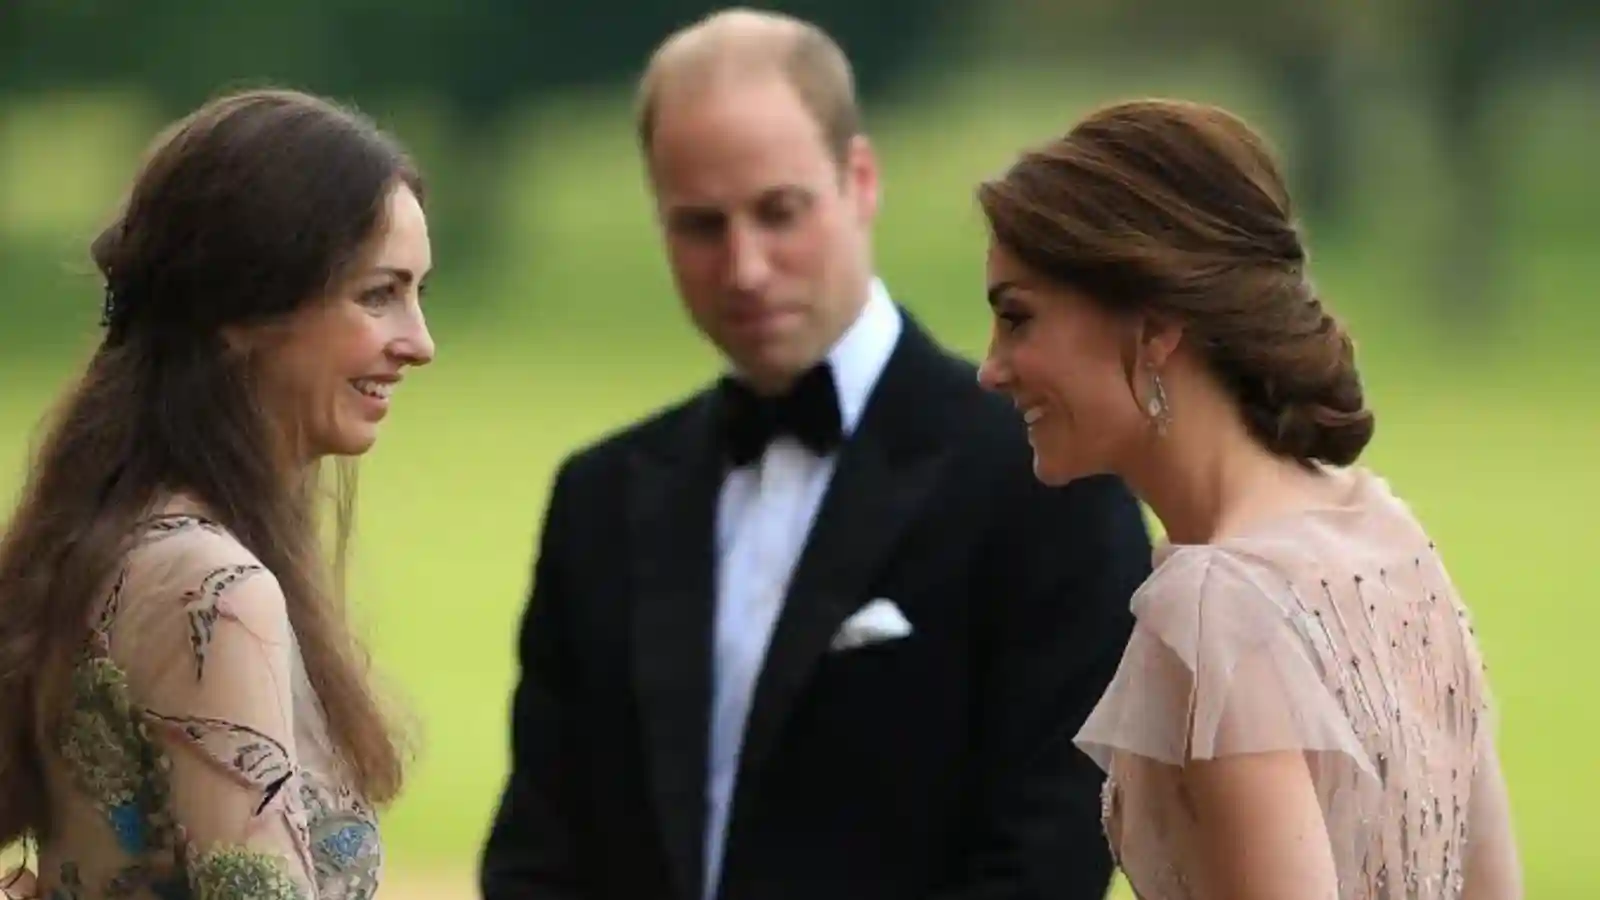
{"x": 1335, "y": 631}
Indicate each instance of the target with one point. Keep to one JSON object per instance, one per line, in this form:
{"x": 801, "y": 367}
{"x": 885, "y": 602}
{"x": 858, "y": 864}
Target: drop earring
{"x": 1156, "y": 407}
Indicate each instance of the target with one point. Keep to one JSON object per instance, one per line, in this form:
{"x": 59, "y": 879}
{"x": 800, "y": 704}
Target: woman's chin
{"x": 357, "y": 441}
{"x": 350, "y": 440}
{"x": 1053, "y": 470}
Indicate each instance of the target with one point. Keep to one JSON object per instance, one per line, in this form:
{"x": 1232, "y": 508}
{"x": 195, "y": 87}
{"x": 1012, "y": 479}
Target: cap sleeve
{"x": 210, "y": 657}
{"x": 1219, "y": 664}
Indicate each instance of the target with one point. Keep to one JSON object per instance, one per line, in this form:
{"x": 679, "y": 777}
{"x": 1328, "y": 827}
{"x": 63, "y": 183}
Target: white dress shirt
{"x": 764, "y": 514}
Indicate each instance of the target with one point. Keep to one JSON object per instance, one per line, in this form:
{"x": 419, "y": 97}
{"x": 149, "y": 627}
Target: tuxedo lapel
{"x": 886, "y": 473}
{"x": 672, "y": 515}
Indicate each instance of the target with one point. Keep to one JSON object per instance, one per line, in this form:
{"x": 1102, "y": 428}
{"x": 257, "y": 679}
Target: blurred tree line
{"x": 472, "y": 64}
{"x": 481, "y": 58}
{"x": 1324, "y": 63}
{"x": 477, "y": 63}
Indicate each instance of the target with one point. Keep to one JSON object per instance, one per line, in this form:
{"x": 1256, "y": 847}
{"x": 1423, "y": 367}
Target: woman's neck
{"x": 1213, "y": 482}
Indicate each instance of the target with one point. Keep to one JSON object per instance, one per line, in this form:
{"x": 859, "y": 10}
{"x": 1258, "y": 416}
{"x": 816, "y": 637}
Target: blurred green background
{"x": 1451, "y": 212}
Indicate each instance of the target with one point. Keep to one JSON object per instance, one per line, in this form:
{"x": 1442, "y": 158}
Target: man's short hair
{"x": 742, "y": 43}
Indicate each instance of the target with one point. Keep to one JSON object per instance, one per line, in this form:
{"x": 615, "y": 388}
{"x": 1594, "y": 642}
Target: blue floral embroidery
{"x": 106, "y": 742}
{"x": 345, "y": 845}
{"x": 127, "y": 820}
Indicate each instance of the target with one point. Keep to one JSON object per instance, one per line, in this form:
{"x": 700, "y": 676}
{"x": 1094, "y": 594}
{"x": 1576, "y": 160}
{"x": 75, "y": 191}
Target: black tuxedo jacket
{"x": 939, "y": 765}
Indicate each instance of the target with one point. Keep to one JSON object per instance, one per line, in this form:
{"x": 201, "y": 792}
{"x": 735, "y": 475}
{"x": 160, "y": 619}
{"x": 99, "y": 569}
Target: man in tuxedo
{"x": 816, "y": 631}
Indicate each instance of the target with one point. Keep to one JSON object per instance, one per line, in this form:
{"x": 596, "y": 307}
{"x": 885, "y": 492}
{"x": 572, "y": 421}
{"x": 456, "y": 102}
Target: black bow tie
{"x": 809, "y": 412}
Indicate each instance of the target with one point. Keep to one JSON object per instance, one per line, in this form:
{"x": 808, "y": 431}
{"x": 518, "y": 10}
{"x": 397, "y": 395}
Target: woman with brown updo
{"x": 1302, "y": 712}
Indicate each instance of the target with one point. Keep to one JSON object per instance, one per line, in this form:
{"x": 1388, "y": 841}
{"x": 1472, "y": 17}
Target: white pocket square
{"x": 874, "y": 623}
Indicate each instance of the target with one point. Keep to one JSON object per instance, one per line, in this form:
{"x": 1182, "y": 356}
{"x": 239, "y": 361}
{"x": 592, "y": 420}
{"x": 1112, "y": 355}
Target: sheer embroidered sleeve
{"x": 210, "y": 658}
{"x": 1221, "y": 662}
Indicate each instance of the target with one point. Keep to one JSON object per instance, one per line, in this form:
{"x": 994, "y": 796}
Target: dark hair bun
{"x": 1299, "y": 388}
{"x": 1179, "y": 210}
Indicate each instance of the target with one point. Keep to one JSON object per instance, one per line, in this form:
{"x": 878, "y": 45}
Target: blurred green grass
{"x": 1491, "y": 439}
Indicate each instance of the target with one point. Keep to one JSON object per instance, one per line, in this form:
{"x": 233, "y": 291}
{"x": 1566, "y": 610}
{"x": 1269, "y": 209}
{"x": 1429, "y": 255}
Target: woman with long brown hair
{"x": 1302, "y": 712}
{"x": 184, "y": 711}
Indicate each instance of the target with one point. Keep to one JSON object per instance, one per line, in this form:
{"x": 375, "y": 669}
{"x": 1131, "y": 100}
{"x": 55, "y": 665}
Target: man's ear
{"x": 862, "y": 178}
